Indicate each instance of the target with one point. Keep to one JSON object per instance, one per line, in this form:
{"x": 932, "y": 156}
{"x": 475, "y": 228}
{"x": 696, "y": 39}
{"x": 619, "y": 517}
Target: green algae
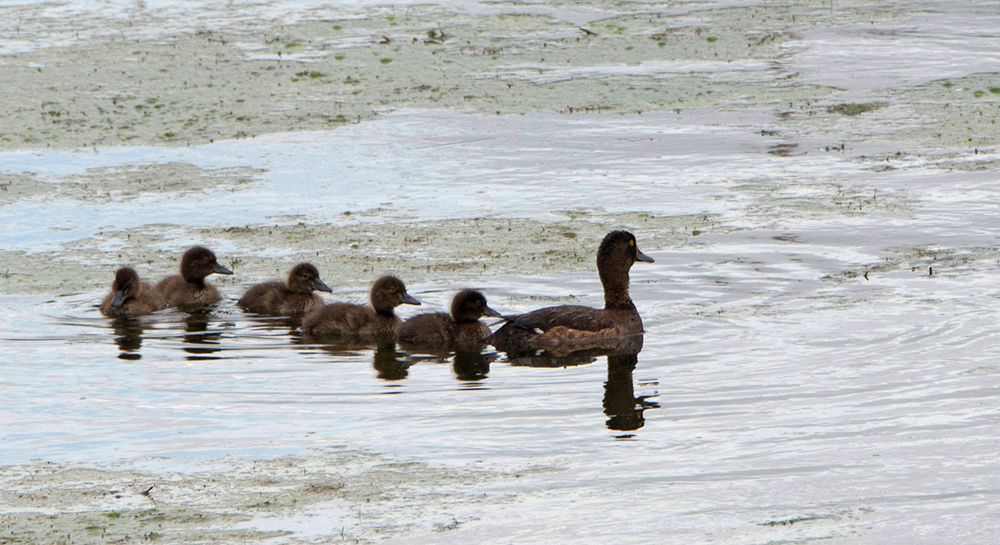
{"x": 856, "y": 108}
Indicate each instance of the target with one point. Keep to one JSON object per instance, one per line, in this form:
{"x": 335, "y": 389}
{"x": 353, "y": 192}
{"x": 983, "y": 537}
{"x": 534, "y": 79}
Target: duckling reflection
{"x": 291, "y": 323}
{"x": 473, "y": 366}
{"x": 625, "y": 411}
{"x": 389, "y": 364}
{"x": 470, "y": 363}
{"x": 196, "y": 324}
{"x": 129, "y": 338}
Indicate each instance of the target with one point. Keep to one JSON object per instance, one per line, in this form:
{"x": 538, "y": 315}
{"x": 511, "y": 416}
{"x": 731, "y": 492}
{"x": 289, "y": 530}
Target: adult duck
{"x": 618, "y": 318}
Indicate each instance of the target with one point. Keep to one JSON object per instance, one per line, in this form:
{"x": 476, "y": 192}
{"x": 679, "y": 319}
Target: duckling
{"x": 286, "y": 298}
{"x": 189, "y": 286}
{"x": 129, "y": 297}
{"x": 462, "y": 327}
{"x": 618, "y": 318}
{"x": 375, "y": 322}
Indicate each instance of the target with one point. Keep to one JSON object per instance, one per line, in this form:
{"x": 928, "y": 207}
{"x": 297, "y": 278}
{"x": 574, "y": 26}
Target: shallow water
{"x": 819, "y": 363}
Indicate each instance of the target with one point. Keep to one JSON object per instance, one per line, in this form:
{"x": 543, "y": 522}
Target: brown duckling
{"x": 462, "y": 327}
{"x": 189, "y": 286}
{"x": 618, "y": 318}
{"x": 279, "y": 298}
{"x": 375, "y": 322}
{"x": 129, "y": 297}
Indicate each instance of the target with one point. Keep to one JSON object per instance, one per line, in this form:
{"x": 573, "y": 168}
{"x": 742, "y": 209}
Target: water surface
{"x": 819, "y": 363}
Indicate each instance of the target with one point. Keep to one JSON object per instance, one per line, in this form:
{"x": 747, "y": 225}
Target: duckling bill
{"x": 377, "y": 322}
{"x": 129, "y": 297}
{"x": 190, "y": 286}
{"x": 618, "y": 318}
{"x": 461, "y": 328}
{"x": 292, "y": 297}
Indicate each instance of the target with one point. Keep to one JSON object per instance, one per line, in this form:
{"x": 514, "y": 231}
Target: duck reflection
{"x": 470, "y": 360}
{"x": 389, "y": 364}
{"x": 472, "y": 366}
{"x": 624, "y": 410}
{"x": 572, "y": 353}
{"x": 205, "y": 342}
{"x": 259, "y": 321}
{"x": 129, "y": 337}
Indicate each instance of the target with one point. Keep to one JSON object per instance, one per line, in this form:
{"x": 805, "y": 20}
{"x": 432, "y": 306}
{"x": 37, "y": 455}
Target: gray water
{"x": 817, "y": 366}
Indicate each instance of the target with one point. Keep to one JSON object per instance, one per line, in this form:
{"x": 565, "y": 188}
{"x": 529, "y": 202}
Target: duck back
{"x": 274, "y": 298}
{"x": 434, "y": 328}
{"x": 177, "y": 291}
{"x": 349, "y": 320}
{"x": 566, "y": 323}
{"x": 471, "y": 336}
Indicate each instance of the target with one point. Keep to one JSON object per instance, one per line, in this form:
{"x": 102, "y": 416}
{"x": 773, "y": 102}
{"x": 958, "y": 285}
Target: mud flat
{"x": 349, "y": 256}
{"x": 128, "y": 81}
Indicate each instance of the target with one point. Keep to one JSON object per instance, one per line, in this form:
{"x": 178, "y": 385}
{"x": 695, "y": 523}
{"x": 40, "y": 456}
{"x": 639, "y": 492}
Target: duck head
{"x": 469, "y": 306}
{"x": 304, "y": 278}
{"x": 617, "y": 253}
{"x": 199, "y": 262}
{"x": 125, "y": 286}
{"x": 388, "y": 293}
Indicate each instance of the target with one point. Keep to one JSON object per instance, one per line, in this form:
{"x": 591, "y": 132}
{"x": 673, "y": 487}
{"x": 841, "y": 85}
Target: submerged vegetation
{"x": 856, "y": 109}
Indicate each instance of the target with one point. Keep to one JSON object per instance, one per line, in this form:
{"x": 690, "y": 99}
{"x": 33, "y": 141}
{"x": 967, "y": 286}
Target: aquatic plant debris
{"x": 349, "y": 255}
{"x": 329, "y": 494}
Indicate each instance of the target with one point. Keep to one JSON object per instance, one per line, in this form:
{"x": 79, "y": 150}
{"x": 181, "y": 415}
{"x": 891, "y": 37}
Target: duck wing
{"x": 574, "y": 317}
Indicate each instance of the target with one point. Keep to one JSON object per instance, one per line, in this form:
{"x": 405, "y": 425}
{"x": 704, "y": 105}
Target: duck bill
{"x": 639, "y": 256}
{"x": 408, "y": 300}
{"x": 118, "y": 298}
{"x": 490, "y": 312}
{"x": 219, "y": 269}
{"x": 319, "y": 285}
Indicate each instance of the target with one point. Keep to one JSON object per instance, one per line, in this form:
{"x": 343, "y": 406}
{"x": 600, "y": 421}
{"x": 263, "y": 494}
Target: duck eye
{"x": 631, "y": 243}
